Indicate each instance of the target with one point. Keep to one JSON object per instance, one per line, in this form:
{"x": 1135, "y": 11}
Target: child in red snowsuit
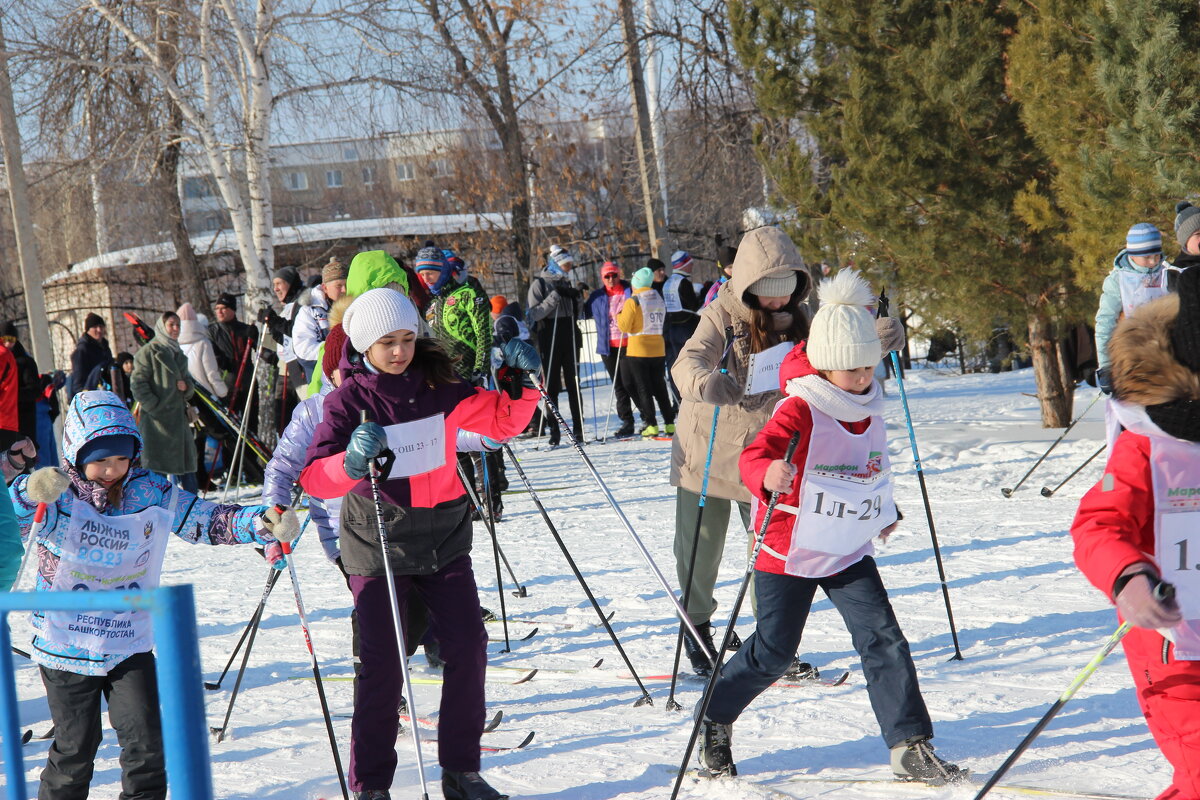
{"x": 1136, "y": 527}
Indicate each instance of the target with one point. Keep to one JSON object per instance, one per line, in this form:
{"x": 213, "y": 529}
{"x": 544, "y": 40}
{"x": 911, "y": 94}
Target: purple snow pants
{"x": 454, "y": 618}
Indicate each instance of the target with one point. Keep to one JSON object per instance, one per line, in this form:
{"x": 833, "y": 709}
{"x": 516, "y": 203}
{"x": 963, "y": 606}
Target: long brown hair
{"x": 438, "y": 366}
{"x": 762, "y": 325}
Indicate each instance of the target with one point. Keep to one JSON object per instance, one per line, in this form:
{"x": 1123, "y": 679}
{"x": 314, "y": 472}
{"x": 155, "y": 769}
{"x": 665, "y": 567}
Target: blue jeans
{"x": 859, "y": 596}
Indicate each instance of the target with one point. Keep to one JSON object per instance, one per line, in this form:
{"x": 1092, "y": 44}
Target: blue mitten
{"x": 520, "y": 355}
{"x": 366, "y": 443}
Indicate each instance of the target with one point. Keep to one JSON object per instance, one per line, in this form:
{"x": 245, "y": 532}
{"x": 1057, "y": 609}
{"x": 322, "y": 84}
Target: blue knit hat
{"x": 428, "y": 258}
{"x": 119, "y": 444}
{"x": 643, "y": 278}
{"x": 1143, "y": 239}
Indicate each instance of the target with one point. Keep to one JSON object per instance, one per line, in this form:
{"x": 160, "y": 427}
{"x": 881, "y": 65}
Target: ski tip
{"x": 526, "y": 677}
{"x": 597, "y": 664}
{"x": 525, "y": 741}
{"x": 528, "y": 636}
{"x": 494, "y": 722}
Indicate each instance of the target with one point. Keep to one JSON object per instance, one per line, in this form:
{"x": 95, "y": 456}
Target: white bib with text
{"x": 845, "y": 490}
{"x": 420, "y": 446}
{"x": 119, "y": 553}
{"x": 1137, "y": 289}
{"x": 1175, "y": 470}
{"x": 654, "y": 313}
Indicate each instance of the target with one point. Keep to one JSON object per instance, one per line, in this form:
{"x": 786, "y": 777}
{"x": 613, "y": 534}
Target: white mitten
{"x": 47, "y": 484}
{"x": 282, "y": 523}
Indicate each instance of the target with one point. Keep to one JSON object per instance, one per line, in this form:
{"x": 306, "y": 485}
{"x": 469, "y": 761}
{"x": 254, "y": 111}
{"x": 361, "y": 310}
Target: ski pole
{"x": 39, "y": 521}
{"x": 592, "y": 388}
{"x": 239, "y": 446}
{"x": 937, "y": 551}
{"x": 401, "y": 649}
{"x": 612, "y": 399}
{"x": 1164, "y": 593}
{"x": 1048, "y": 492}
{"x": 645, "y": 698}
{"x": 1009, "y": 492}
{"x": 672, "y": 704}
{"x": 578, "y": 385}
{"x": 312, "y": 655}
{"x": 612, "y": 501}
{"x": 237, "y": 684}
{"x": 491, "y": 529}
{"x": 733, "y": 613}
{"x": 520, "y": 591}
{"x": 255, "y": 618}
{"x": 549, "y": 372}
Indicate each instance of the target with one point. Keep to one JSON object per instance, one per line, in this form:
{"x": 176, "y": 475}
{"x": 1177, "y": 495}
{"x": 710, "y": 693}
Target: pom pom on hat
{"x": 842, "y": 334}
{"x": 643, "y": 278}
{"x": 1143, "y": 239}
{"x": 377, "y": 313}
{"x": 1187, "y": 222}
{"x": 681, "y": 261}
{"x": 560, "y": 255}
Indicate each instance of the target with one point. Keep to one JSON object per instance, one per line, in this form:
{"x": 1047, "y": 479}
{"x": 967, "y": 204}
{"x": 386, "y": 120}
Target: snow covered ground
{"x": 1027, "y": 623}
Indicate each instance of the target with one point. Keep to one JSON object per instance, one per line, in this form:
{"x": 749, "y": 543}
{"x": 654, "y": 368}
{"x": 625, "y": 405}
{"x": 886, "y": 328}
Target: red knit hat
{"x": 499, "y": 301}
{"x": 335, "y": 347}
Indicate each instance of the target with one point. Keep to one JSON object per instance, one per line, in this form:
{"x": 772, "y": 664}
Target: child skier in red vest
{"x": 1141, "y": 523}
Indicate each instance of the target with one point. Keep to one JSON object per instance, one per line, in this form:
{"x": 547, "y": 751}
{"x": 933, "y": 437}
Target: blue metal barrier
{"x": 185, "y": 736}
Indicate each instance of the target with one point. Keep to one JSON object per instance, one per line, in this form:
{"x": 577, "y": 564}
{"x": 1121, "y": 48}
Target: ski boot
{"x": 625, "y": 430}
{"x": 670, "y": 429}
{"x": 700, "y": 661}
{"x": 468, "y": 786}
{"x": 716, "y": 753}
{"x": 801, "y": 671}
{"x": 913, "y": 760}
{"x": 649, "y": 432}
{"x": 373, "y": 794}
{"x": 433, "y": 655}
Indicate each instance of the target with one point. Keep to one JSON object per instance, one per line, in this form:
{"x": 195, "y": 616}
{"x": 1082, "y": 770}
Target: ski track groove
{"x": 1027, "y": 623}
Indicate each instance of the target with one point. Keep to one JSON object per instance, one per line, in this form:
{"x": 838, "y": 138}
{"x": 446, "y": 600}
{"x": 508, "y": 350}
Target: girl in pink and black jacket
{"x": 408, "y": 387}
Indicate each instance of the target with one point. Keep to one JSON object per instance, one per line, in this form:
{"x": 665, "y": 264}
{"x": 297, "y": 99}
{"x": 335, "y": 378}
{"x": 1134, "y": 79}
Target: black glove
{"x": 567, "y": 292}
{"x": 266, "y": 314}
{"x": 1104, "y": 380}
{"x": 269, "y": 356}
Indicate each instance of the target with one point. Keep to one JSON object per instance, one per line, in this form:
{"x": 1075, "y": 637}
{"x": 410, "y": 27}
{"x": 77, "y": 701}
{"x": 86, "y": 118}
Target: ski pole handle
{"x": 39, "y": 514}
{"x": 728, "y": 349}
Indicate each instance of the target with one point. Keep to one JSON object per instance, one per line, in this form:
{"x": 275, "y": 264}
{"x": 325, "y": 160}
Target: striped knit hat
{"x": 429, "y": 258}
{"x": 1187, "y": 222}
{"x": 681, "y": 261}
{"x": 1143, "y": 239}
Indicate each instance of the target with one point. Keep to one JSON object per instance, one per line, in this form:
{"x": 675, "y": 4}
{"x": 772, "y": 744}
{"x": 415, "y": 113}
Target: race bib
{"x": 419, "y": 446}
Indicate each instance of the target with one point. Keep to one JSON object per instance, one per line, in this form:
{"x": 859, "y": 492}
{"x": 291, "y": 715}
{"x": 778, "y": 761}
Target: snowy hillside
{"x": 1027, "y": 623}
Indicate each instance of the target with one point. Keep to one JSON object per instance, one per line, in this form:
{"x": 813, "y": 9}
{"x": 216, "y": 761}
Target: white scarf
{"x": 837, "y": 403}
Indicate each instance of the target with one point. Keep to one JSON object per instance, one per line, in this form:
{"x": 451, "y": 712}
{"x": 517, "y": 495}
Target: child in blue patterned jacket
{"x": 105, "y": 527}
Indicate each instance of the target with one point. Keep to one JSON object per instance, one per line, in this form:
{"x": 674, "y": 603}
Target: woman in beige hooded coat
{"x": 763, "y": 302}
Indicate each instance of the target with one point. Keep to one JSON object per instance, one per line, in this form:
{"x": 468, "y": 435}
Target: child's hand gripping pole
{"x": 373, "y": 472}
{"x": 793, "y": 443}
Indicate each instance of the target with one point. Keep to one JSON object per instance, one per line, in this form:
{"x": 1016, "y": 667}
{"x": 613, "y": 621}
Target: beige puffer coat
{"x": 762, "y": 253}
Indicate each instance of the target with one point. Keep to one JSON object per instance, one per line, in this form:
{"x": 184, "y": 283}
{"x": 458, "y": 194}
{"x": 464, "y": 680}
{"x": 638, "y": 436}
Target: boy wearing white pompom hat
{"x": 835, "y": 497}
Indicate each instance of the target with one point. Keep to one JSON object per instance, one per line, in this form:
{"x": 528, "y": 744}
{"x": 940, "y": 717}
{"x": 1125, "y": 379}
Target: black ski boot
{"x": 468, "y": 786}
{"x": 801, "y": 671}
{"x": 701, "y": 663}
{"x": 914, "y": 760}
{"x": 373, "y": 794}
{"x": 433, "y": 654}
{"x": 625, "y": 430}
{"x": 716, "y": 753}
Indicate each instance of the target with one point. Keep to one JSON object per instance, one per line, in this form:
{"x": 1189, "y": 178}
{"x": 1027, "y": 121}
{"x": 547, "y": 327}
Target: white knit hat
{"x": 377, "y": 313}
{"x": 842, "y": 334}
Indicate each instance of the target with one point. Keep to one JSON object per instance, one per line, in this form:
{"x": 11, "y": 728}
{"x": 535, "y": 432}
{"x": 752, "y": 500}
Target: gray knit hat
{"x": 774, "y": 285}
{"x": 1187, "y": 222}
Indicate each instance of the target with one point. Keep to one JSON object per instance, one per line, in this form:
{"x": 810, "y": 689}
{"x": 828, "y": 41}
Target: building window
{"x": 297, "y": 181}
{"x": 349, "y": 154}
{"x": 212, "y": 222}
{"x": 407, "y": 206}
{"x": 368, "y": 176}
{"x": 299, "y": 215}
{"x": 333, "y": 178}
{"x": 197, "y": 188}
{"x": 370, "y": 209}
{"x": 404, "y": 172}
{"x": 440, "y": 167}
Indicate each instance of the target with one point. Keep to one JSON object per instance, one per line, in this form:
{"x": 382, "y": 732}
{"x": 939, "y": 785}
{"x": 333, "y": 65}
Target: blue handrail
{"x": 185, "y": 736}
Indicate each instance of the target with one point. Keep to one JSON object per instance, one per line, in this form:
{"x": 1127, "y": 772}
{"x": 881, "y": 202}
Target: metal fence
{"x": 185, "y": 737}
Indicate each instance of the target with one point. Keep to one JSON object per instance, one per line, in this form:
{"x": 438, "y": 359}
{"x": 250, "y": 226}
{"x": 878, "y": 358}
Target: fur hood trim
{"x": 1144, "y": 368}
